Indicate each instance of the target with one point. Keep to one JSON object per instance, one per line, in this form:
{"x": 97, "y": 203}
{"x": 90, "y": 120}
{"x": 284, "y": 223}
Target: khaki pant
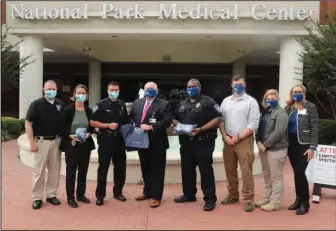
{"x": 272, "y": 166}
{"x": 47, "y": 156}
{"x": 242, "y": 152}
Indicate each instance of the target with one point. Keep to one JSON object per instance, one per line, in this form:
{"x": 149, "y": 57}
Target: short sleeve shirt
{"x": 46, "y": 117}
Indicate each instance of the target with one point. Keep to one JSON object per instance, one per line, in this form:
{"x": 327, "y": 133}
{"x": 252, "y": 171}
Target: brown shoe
{"x": 142, "y": 197}
{"x": 155, "y": 203}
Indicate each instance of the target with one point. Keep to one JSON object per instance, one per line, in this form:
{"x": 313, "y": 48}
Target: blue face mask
{"x": 239, "y": 88}
{"x": 150, "y": 93}
{"x": 50, "y": 93}
{"x": 272, "y": 103}
{"x": 113, "y": 94}
{"x": 298, "y": 97}
{"x": 193, "y": 91}
{"x": 80, "y": 98}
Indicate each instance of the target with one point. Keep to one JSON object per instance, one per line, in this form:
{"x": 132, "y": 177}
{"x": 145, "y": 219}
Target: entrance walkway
{"x": 18, "y": 214}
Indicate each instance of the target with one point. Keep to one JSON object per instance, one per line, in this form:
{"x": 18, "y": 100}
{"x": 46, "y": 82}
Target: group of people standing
{"x": 279, "y": 132}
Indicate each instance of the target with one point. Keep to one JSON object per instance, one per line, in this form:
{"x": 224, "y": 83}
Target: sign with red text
{"x": 322, "y": 168}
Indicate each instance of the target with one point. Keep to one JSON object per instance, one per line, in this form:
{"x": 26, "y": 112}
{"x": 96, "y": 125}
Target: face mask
{"x": 150, "y": 93}
{"x": 298, "y": 97}
{"x": 272, "y": 103}
{"x": 113, "y": 94}
{"x": 80, "y": 98}
{"x": 50, "y": 94}
{"x": 239, "y": 88}
{"x": 193, "y": 91}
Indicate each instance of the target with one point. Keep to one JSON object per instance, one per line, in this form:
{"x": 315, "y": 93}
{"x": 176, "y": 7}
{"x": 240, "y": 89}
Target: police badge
{"x": 59, "y": 107}
{"x": 73, "y": 142}
{"x": 198, "y": 105}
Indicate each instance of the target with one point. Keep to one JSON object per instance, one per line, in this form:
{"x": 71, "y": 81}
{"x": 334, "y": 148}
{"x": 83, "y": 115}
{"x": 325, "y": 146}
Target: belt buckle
{"x": 109, "y": 133}
{"x": 191, "y": 138}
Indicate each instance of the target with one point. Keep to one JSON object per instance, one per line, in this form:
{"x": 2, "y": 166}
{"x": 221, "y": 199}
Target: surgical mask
{"x": 150, "y": 93}
{"x": 298, "y": 97}
{"x": 113, "y": 94}
{"x": 239, "y": 88}
{"x": 80, "y": 98}
{"x": 272, "y": 103}
{"x": 50, "y": 93}
{"x": 193, "y": 91}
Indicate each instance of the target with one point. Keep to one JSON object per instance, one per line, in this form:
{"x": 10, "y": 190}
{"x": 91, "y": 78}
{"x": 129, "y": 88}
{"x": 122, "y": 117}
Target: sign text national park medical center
{"x": 166, "y": 11}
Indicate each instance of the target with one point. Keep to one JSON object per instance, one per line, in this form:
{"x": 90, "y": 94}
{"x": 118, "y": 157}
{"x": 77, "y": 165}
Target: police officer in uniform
{"x": 43, "y": 128}
{"x": 197, "y": 150}
{"x": 108, "y": 116}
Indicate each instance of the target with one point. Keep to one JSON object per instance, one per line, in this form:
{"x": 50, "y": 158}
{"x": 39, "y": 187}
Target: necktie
{"x": 145, "y": 111}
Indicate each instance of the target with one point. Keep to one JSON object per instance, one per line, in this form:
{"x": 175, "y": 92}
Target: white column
{"x": 94, "y": 82}
{"x": 239, "y": 68}
{"x": 31, "y": 77}
{"x": 289, "y": 69}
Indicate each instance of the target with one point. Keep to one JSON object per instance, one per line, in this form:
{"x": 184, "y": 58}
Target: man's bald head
{"x": 151, "y": 85}
{"x": 49, "y": 85}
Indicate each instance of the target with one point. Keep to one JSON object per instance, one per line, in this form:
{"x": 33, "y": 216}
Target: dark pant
{"x": 111, "y": 148}
{"x": 198, "y": 153}
{"x": 299, "y": 164}
{"x": 153, "y": 168}
{"x": 77, "y": 157}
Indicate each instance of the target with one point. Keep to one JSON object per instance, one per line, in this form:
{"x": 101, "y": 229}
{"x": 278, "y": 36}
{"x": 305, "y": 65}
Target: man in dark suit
{"x": 153, "y": 115}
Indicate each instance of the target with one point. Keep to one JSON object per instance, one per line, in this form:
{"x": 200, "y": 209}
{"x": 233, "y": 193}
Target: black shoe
{"x": 72, "y": 203}
{"x": 303, "y": 209}
{"x": 183, "y": 199}
{"x": 53, "y": 201}
{"x": 37, "y": 204}
{"x": 84, "y": 199}
{"x": 99, "y": 201}
{"x": 209, "y": 206}
{"x": 120, "y": 197}
{"x": 295, "y": 205}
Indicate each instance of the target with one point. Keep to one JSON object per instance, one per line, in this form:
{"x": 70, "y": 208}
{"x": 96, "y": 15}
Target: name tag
{"x": 302, "y": 112}
{"x": 152, "y": 120}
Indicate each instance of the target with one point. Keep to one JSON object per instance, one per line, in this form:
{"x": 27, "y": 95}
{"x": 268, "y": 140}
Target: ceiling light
{"x": 47, "y": 50}
{"x": 278, "y": 52}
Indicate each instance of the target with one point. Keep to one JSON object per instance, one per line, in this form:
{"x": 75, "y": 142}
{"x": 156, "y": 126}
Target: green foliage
{"x": 319, "y": 62}
{"x": 11, "y": 127}
{"x": 327, "y": 132}
{"x": 11, "y": 63}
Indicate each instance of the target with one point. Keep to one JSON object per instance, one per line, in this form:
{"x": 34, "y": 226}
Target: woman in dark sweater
{"x": 303, "y": 130}
{"x": 77, "y": 147}
{"x": 272, "y": 142}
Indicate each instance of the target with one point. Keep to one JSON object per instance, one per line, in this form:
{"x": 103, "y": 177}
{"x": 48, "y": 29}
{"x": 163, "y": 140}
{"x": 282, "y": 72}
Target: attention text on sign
{"x": 166, "y": 11}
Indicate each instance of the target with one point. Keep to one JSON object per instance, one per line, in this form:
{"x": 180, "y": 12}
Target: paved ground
{"x": 17, "y": 212}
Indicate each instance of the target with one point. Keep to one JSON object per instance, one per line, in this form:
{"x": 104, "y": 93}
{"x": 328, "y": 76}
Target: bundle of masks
{"x": 81, "y": 134}
{"x": 184, "y": 129}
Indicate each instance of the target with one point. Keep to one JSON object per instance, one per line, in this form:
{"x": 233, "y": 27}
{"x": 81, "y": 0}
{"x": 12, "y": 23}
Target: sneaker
{"x": 248, "y": 207}
{"x": 269, "y": 207}
{"x": 230, "y": 200}
{"x": 258, "y": 204}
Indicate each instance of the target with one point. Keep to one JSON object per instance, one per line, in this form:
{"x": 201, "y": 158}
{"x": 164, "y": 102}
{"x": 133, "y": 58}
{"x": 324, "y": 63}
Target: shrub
{"x": 327, "y": 134}
{"x": 11, "y": 127}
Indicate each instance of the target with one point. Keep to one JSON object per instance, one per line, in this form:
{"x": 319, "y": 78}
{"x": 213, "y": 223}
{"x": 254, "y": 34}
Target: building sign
{"x": 322, "y": 168}
{"x": 166, "y": 11}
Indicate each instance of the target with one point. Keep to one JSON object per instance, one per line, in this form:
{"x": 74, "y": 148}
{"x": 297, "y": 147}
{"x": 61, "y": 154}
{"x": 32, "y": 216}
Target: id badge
{"x": 152, "y": 120}
{"x": 302, "y": 111}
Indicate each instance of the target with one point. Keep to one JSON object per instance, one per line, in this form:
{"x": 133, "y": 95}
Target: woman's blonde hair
{"x": 77, "y": 87}
{"x": 267, "y": 93}
{"x": 290, "y": 100}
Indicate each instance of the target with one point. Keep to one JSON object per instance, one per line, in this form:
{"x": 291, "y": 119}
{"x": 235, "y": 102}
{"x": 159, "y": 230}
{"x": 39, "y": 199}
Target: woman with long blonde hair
{"x": 271, "y": 138}
{"x": 303, "y": 130}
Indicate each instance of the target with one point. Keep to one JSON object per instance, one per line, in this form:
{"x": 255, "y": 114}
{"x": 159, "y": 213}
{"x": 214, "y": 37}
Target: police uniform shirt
{"x": 200, "y": 112}
{"x": 46, "y": 117}
{"x": 107, "y": 111}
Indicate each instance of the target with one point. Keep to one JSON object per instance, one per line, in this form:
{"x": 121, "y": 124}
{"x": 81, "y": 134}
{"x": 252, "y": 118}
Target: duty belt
{"x": 201, "y": 137}
{"x": 110, "y": 132}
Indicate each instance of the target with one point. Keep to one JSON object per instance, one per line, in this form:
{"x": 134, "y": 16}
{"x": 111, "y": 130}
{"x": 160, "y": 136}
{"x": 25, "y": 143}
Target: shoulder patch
{"x": 217, "y": 108}
{"x": 95, "y": 108}
{"x": 59, "y": 107}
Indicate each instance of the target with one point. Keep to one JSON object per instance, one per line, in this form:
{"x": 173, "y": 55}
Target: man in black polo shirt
{"x": 43, "y": 128}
